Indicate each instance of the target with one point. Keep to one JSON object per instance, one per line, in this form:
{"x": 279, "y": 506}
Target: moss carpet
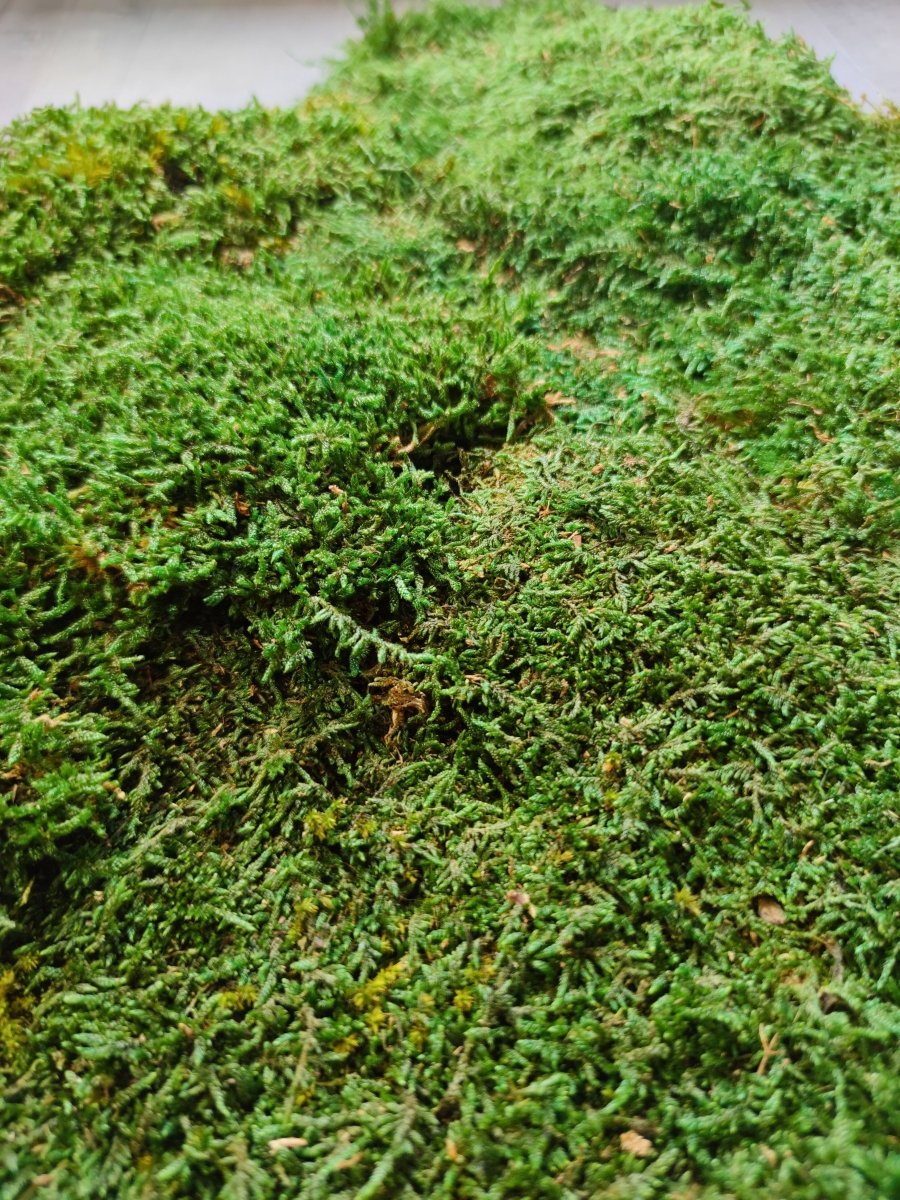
{"x": 448, "y": 667}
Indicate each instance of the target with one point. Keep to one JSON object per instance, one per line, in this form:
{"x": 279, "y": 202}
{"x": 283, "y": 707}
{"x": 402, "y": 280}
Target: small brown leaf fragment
{"x": 350, "y": 1162}
{"x": 287, "y": 1143}
{"x": 10, "y": 295}
{"x": 237, "y": 256}
{"x": 576, "y": 540}
{"x": 161, "y": 219}
{"x": 769, "y": 1155}
{"x": 770, "y": 910}
{"x": 185, "y": 1029}
{"x": 521, "y": 899}
{"x": 557, "y": 400}
{"x": 634, "y": 1143}
{"x": 241, "y": 507}
{"x": 466, "y": 246}
{"x": 50, "y": 722}
{"x": 452, "y": 1150}
{"x": 586, "y": 349}
{"x": 42, "y": 1180}
{"x": 401, "y": 698}
{"x": 577, "y": 346}
{"x": 769, "y": 1046}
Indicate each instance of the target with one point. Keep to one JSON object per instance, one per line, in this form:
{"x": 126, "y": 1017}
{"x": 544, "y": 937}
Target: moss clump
{"x": 449, "y": 692}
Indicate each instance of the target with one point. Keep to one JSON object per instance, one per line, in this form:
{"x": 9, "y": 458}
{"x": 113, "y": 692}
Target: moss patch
{"x": 449, "y": 695}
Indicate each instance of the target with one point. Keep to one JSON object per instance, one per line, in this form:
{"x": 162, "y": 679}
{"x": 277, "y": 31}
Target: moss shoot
{"x": 449, "y": 698}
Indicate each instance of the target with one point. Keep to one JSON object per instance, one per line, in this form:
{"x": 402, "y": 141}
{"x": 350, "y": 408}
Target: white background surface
{"x": 220, "y": 53}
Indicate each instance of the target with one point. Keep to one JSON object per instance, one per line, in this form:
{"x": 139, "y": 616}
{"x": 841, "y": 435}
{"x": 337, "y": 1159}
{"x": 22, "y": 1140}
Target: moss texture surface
{"x": 448, "y": 678}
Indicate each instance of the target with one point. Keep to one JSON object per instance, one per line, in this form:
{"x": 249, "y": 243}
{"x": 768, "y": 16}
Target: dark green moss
{"x": 447, "y": 617}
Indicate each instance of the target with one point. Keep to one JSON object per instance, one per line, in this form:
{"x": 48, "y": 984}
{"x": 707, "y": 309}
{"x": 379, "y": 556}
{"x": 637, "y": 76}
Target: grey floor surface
{"x": 220, "y": 53}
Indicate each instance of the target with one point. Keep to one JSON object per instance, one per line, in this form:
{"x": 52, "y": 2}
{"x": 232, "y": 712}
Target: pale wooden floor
{"x": 220, "y": 53}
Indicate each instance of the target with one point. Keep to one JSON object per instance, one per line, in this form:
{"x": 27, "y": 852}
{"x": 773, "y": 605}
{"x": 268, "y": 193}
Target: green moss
{"x": 447, "y": 581}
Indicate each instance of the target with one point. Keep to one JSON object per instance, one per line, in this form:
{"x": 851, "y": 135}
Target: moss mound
{"x": 449, "y": 701}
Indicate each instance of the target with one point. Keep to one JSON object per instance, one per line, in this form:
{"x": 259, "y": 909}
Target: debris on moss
{"x": 448, "y": 661}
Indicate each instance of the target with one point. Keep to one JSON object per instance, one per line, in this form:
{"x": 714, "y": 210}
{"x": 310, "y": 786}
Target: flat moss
{"x": 449, "y": 694}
